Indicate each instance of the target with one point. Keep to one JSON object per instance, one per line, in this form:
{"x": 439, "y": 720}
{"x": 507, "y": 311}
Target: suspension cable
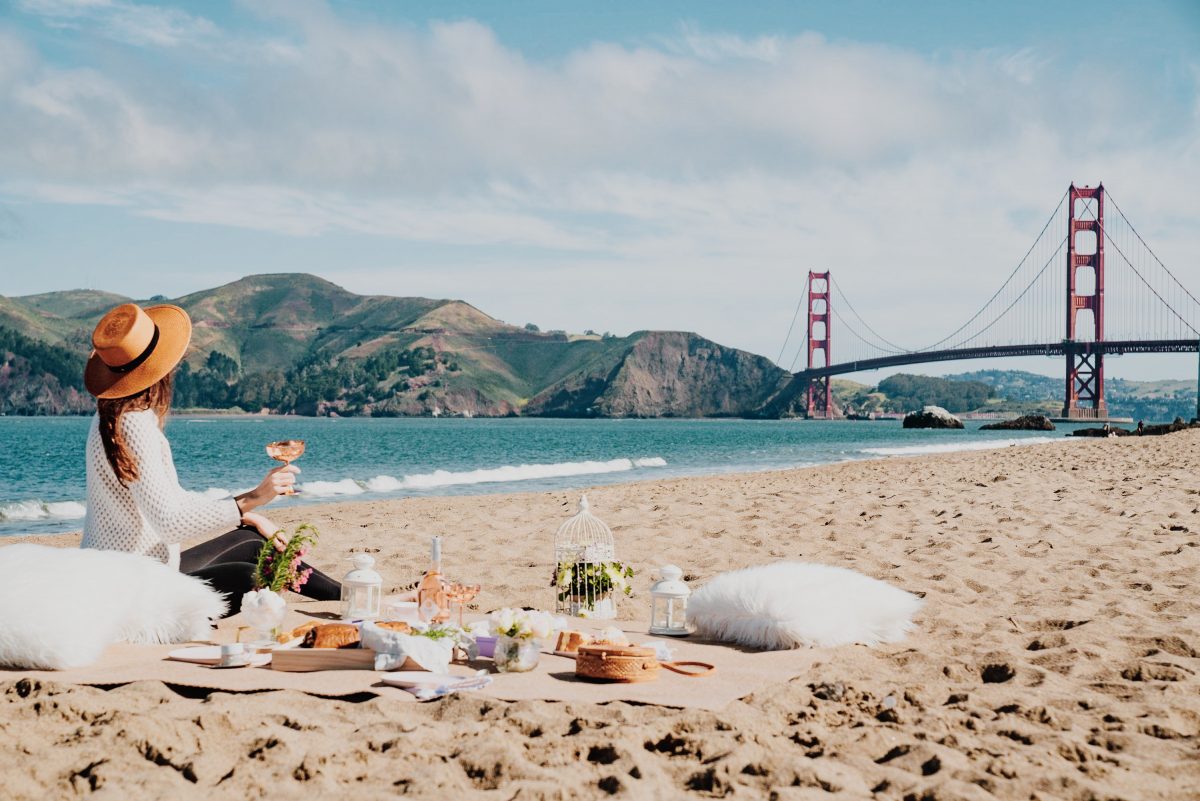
{"x": 799, "y": 350}
{"x": 1149, "y": 249}
{"x": 1024, "y": 291}
{"x": 842, "y": 295}
{"x": 1138, "y": 273}
{"x": 854, "y": 333}
{"x": 1012, "y": 275}
{"x": 795, "y": 315}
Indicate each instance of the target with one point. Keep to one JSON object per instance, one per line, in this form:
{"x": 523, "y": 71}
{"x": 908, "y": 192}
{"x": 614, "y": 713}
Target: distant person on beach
{"x": 134, "y": 501}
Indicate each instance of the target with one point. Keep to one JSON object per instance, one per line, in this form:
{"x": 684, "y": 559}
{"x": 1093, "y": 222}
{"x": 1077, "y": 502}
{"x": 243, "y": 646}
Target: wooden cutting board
{"x": 307, "y": 660}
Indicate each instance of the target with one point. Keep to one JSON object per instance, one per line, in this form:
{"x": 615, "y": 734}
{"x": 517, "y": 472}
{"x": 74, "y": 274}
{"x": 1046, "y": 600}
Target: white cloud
{"x": 709, "y": 171}
{"x": 134, "y": 23}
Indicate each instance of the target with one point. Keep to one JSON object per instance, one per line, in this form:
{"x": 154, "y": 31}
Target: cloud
{"x": 133, "y": 23}
{"x": 708, "y": 170}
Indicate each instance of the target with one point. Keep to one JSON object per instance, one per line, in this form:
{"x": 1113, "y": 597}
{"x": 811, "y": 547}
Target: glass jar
{"x": 516, "y": 654}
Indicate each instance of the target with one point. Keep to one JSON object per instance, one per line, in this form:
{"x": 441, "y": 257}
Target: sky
{"x": 615, "y": 166}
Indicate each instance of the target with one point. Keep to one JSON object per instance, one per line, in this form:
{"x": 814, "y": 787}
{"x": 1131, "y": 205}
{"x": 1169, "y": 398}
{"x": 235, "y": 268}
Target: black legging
{"x": 227, "y": 563}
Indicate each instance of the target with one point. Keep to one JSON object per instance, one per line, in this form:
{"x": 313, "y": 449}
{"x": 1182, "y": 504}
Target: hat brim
{"x": 174, "y": 335}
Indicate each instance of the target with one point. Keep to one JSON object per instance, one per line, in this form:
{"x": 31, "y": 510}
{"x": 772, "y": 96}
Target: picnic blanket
{"x": 740, "y": 672}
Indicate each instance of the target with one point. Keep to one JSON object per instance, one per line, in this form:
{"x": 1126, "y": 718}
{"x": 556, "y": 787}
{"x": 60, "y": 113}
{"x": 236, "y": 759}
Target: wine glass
{"x": 462, "y": 594}
{"x": 286, "y": 451}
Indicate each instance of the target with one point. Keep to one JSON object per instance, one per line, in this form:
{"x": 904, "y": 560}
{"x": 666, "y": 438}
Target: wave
{"x": 449, "y": 478}
{"x": 38, "y": 510}
{"x": 328, "y": 489}
{"x": 952, "y": 447}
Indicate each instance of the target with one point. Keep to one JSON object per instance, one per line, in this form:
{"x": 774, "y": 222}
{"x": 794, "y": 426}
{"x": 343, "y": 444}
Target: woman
{"x": 134, "y": 501}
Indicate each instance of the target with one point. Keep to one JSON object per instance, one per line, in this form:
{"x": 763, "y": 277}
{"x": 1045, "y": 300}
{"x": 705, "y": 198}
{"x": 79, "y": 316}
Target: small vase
{"x": 516, "y": 654}
{"x": 603, "y": 607}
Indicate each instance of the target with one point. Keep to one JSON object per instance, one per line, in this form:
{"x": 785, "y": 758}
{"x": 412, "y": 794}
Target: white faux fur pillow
{"x": 790, "y": 604}
{"x": 61, "y": 607}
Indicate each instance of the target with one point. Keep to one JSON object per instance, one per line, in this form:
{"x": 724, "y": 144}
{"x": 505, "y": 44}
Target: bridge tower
{"x": 820, "y": 398}
{"x": 1085, "y": 359}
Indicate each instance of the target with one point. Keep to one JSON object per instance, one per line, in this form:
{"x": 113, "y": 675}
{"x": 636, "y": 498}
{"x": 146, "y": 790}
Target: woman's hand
{"x": 277, "y": 482}
{"x": 266, "y": 528}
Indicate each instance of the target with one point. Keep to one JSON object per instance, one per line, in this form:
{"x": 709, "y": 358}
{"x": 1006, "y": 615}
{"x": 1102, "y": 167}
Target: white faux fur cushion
{"x": 790, "y": 604}
{"x": 61, "y": 607}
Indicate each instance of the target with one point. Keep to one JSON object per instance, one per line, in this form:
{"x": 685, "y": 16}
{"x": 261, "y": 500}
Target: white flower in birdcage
{"x": 587, "y": 576}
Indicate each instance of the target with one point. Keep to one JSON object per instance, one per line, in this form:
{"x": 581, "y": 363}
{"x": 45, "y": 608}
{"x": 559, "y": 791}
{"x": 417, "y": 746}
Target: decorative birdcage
{"x": 587, "y": 576}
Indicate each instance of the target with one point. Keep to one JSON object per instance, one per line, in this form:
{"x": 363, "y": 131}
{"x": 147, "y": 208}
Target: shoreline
{"x": 505, "y": 490}
{"x": 1056, "y": 654}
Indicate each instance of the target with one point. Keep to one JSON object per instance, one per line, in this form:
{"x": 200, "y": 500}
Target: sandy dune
{"x": 1056, "y": 657}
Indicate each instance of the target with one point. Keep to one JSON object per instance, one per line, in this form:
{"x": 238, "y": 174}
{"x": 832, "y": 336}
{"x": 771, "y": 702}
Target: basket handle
{"x": 677, "y": 667}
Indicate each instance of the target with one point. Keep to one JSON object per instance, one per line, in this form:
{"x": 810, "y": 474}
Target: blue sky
{"x": 612, "y": 166}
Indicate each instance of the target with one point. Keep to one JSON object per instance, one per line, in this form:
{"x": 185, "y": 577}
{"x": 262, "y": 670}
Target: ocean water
{"x": 42, "y": 475}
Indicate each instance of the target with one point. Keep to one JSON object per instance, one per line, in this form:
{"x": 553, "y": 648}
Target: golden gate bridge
{"x": 1082, "y": 313}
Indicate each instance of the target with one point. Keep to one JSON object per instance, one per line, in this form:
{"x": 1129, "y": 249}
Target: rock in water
{"x": 1026, "y": 422}
{"x": 931, "y": 417}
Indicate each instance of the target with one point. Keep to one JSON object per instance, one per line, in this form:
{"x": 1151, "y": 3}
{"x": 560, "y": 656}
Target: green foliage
{"x": 221, "y": 365}
{"x": 218, "y": 385}
{"x": 593, "y": 579}
{"x": 63, "y": 364}
{"x": 907, "y": 392}
{"x": 276, "y": 570}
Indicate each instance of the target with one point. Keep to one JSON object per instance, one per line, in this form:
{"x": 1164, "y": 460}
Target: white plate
{"x": 210, "y": 655}
{"x": 420, "y": 678}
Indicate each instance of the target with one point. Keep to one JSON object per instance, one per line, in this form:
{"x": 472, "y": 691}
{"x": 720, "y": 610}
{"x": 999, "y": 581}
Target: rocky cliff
{"x": 667, "y": 374}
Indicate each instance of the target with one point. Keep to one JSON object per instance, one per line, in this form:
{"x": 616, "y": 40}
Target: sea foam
{"x": 450, "y": 478}
{"x": 37, "y": 510}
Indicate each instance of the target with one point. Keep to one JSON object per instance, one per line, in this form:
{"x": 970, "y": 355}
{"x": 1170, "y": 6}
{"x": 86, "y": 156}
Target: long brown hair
{"x": 157, "y": 396}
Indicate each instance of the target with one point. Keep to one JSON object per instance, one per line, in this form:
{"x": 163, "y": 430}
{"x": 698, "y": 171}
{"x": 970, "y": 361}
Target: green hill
{"x": 295, "y": 343}
{"x": 1162, "y": 400}
{"x": 1013, "y": 392}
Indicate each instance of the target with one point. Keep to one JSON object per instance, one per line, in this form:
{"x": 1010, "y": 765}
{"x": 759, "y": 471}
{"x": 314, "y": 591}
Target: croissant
{"x": 331, "y": 635}
{"x": 299, "y": 631}
{"x": 395, "y": 625}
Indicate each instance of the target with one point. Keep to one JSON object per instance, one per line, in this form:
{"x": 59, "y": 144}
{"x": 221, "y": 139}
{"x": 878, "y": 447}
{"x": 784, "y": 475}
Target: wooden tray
{"x": 306, "y": 660}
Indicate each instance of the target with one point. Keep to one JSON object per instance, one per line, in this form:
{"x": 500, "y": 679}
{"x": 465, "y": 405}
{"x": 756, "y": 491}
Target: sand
{"x": 1056, "y": 656}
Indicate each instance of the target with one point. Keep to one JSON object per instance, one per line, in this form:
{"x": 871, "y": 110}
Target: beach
{"x": 1056, "y": 655}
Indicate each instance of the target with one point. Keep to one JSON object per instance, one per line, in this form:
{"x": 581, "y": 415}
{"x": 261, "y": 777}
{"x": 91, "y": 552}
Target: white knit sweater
{"x": 154, "y": 514}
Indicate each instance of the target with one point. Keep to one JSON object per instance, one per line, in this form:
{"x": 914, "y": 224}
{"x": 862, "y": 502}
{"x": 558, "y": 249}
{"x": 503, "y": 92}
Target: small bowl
{"x": 487, "y": 646}
{"x": 401, "y": 610}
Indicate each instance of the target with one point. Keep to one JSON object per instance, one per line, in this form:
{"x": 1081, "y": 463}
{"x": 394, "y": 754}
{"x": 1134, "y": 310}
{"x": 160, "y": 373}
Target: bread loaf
{"x": 331, "y": 635}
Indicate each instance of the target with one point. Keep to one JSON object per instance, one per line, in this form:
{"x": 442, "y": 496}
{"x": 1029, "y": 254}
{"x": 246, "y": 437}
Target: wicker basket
{"x": 616, "y": 663}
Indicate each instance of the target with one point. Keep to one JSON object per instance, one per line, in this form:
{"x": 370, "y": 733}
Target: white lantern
{"x": 362, "y": 590}
{"x": 668, "y": 603}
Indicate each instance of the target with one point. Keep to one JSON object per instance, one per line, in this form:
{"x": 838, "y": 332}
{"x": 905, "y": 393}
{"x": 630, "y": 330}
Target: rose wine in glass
{"x": 467, "y": 593}
{"x": 286, "y": 451}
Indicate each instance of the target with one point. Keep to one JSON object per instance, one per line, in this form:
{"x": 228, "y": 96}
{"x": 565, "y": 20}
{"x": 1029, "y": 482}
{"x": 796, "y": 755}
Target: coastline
{"x": 358, "y": 460}
{"x": 1056, "y": 653}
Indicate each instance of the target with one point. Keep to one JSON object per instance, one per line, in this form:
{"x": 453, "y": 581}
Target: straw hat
{"x": 135, "y": 348}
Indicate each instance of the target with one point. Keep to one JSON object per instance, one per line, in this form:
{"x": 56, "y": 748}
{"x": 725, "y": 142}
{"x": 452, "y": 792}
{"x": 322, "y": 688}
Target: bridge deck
{"x": 1113, "y": 347}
